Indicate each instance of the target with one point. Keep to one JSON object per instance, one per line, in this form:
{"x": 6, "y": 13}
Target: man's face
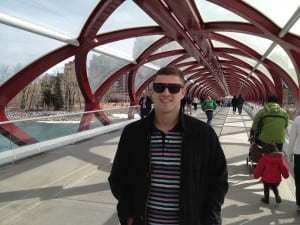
{"x": 166, "y": 101}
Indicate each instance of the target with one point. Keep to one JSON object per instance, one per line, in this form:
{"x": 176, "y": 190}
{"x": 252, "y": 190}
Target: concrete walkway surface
{"x": 68, "y": 186}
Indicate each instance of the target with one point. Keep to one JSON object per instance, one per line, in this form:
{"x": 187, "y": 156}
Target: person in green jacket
{"x": 269, "y": 124}
{"x": 208, "y": 106}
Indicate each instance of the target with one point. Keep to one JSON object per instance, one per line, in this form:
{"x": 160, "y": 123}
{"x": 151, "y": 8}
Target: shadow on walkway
{"x": 68, "y": 186}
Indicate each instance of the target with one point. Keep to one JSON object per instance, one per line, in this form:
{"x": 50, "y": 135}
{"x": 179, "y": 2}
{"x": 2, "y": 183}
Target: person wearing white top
{"x": 195, "y": 103}
{"x": 294, "y": 153}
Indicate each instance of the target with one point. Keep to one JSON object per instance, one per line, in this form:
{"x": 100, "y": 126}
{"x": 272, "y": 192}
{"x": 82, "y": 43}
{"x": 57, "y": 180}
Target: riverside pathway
{"x": 68, "y": 186}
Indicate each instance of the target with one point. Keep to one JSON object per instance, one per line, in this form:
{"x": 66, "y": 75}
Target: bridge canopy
{"x": 224, "y": 48}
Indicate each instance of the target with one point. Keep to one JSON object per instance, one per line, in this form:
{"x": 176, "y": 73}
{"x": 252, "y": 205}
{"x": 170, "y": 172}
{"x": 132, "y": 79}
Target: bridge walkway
{"x": 68, "y": 186}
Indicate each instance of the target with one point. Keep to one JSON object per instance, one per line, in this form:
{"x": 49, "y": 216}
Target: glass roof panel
{"x": 143, "y": 74}
{"x": 188, "y": 77}
{"x": 190, "y": 59}
{"x": 184, "y": 67}
{"x": 198, "y": 67}
{"x": 222, "y": 58}
{"x": 248, "y": 60}
{"x": 100, "y": 67}
{"x": 218, "y": 44}
{"x": 258, "y": 44}
{"x": 163, "y": 61}
{"x": 251, "y": 81}
{"x": 253, "y": 63}
{"x": 240, "y": 77}
{"x": 169, "y": 47}
{"x": 254, "y": 75}
{"x": 14, "y": 56}
{"x": 125, "y": 17}
{"x": 279, "y": 56}
{"x": 296, "y": 28}
{"x": 57, "y": 15}
{"x": 265, "y": 71}
{"x": 141, "y": 43}
{"x": 211, "y": 12}
{"x": 279, "y": 11}
{"x": 131, "y": 47}
{"x": 244, "y": 69}
{"x": 114, "y": 53}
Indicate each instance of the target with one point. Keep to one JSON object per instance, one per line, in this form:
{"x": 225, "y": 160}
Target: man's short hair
{"x": 272, "y": 98}
{"x": 169, "y": 70}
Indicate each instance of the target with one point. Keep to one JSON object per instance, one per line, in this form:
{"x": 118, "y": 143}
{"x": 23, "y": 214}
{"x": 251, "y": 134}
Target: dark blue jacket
{"x": 148, "y": 104}
{"x": 203, "y": 179}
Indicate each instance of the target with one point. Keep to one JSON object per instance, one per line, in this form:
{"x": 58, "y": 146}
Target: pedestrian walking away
{"x": 189, "y": 105}
{"x": 270, "y": 168}
{"x": 195, "y": 103}
{"x": 145, "y": 103}
{"x": 234, "y": 104}
{"x": 239, "y": 104}
{"x": 169, "y": 168}
{"x": 294, "y": 154}
{"x": 270, "y": 123}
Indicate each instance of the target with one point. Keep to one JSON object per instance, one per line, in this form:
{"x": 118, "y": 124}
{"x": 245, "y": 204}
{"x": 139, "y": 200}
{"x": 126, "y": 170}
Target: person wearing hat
{"x": 270, "y": 123}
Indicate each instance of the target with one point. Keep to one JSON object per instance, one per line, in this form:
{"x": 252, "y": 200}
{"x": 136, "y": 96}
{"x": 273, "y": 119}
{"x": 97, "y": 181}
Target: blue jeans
{"x": 209, "y": 115}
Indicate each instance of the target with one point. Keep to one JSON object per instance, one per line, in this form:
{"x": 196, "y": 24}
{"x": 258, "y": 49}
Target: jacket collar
{"x": 150, "y": 120}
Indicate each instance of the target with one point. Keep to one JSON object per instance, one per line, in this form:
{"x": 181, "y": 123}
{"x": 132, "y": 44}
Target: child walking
{"x": 270, "y": 168}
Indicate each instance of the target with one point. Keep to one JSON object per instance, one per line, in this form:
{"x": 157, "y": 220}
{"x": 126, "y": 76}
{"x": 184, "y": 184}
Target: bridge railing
{"x": 251, "y": 108}
{"x": 53, "y": 131}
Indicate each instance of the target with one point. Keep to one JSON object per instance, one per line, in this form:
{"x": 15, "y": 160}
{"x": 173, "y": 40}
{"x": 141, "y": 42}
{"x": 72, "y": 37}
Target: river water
{"x": 44, "y": 131}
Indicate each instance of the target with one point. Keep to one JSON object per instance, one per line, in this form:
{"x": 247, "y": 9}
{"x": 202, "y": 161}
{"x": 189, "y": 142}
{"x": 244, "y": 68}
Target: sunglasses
{"x": 173, "y": 88}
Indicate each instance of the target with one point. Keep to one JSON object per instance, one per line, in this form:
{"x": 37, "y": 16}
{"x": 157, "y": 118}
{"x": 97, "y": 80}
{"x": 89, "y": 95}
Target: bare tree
{"x": 37, "y": 94}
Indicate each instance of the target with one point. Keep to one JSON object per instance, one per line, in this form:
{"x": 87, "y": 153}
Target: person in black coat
{"x": 145, "y": 103}
{"x": 240, "y": 102}
{"x": 234, "y": 104}
{"x": 169, "y": 161}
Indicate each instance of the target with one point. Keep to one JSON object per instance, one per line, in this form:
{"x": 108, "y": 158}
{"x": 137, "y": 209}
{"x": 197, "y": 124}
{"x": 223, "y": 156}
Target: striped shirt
{"x": 163, "y": 200}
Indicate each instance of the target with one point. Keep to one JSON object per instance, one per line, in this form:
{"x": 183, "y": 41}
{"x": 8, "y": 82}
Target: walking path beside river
{"x": 68, "y": 186}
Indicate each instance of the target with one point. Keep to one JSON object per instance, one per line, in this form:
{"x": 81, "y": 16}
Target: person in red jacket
{"x": 270, "y": 168}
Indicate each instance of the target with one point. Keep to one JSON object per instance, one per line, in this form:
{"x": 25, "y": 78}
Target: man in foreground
{"x": 169, "y": 167}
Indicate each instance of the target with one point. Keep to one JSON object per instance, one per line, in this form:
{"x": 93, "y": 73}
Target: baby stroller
{"x": 254, "y": 155}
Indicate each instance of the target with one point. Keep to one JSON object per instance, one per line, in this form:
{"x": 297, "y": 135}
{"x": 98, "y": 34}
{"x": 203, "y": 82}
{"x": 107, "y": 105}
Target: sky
{"x": 55, "y": 15}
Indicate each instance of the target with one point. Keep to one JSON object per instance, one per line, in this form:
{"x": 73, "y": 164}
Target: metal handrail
{"x": 65, "y": 123}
